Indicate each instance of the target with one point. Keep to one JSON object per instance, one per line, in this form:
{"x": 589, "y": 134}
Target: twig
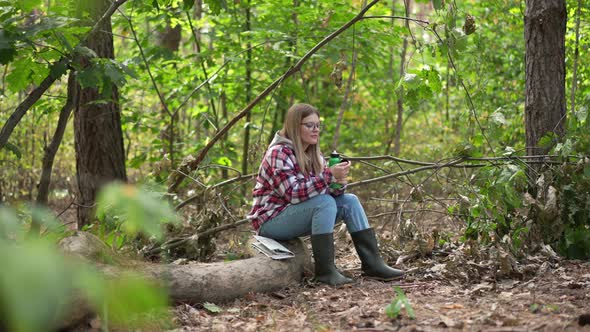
{"x": 411, "y": 171}
{"x": 220, "y": 184}
{"x": 180, "y": 241}
{"x": 397, "y": 17}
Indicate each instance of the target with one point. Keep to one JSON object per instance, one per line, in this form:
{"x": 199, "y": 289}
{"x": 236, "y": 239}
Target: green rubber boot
{"x": 373, "y": 265}
{"x": 323, "y": 254}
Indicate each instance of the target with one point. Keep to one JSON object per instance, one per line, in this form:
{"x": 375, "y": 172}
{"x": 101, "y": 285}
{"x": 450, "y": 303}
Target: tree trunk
{"x": 100, "y": 156}
{"x": 246, "y": 146}
{"x": 197, "y": 283}
{"x": 170, "y": 40}
{"x": 400, "y": 98}
{"x": 544, "y": 32}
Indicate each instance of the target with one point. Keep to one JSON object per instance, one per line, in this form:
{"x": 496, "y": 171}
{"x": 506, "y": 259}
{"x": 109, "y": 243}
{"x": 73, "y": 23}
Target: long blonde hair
{"x": 311, "y": 159}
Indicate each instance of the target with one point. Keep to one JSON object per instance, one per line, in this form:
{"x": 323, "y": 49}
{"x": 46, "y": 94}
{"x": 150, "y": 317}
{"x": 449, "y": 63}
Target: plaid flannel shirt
{"x": 280, "y": 183}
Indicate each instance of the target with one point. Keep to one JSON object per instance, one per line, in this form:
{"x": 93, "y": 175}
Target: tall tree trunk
{"x": 170, "y": 40}
{"x": 248, "y": 91}
{"x": 400, "y": 97}
{"x": 544, "y": 32}
{"x": 100, "y": 156}
{"x": 576, "y": 59}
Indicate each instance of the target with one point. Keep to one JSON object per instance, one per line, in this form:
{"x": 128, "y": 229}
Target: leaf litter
{"x": 457, "y": 287}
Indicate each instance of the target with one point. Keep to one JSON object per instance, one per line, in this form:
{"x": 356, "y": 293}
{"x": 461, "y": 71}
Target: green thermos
{"x": 334, "y": 159}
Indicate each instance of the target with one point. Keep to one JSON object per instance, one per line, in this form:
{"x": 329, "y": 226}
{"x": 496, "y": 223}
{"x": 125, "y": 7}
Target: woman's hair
{"x": 311, "y": 159}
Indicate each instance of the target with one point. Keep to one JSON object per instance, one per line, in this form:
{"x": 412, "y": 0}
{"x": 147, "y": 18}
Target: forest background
{"x": 428, "y": 98}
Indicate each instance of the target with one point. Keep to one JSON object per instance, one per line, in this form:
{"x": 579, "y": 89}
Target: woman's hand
{"x": 340, "y": 171}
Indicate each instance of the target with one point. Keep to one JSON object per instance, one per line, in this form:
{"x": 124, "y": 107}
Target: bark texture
{"x": 199, "y": 282}
{"x": 100, "y": 156}
{"x": 545, "y": 26}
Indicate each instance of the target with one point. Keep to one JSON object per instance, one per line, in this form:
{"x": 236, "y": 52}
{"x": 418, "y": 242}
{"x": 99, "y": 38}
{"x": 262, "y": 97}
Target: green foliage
{"x": 133, "y": 210}
{"x": 490, "y": 210}
{"x": 393, "y": 310}
{"x": 7, "y": 47}
{"x": 32, "y": 303}
{"x": 573, "y": 185}
{"x": 103, "y": 74}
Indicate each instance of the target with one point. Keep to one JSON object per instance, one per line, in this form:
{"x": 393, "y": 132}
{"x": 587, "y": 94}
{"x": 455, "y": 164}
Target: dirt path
{"x": 552, "y": 298}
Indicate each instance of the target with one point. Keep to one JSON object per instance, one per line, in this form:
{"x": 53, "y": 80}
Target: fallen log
{"x": 195, "y": 282}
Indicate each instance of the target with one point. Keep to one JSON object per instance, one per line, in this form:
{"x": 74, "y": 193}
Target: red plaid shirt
{"x": 280, "y": 183}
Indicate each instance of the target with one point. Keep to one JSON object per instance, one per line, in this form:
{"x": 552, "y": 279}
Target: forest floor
{"x": 540, "y": 295}
{"x": 454, "y": 287}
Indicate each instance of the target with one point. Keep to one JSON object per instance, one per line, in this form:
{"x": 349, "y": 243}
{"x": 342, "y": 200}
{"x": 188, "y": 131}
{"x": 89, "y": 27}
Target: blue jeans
{"x": 317, "y": 215}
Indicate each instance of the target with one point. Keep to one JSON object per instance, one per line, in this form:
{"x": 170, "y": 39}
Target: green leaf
{"x": 437, "y": 4}
{"x": 9, "y": 225}
{"x": 188, "y": 4}
{"x": 130, "y": 297}
{"x": 224, "y": 161}
{"x": 28, "y": 5}
{"x": 7, "y": 48}
{"x": 547, "y": 140}
{"x": 581, "y": 114}
{"x": 393, "y": 309}
{"x": 58, "y": 69}
{"x": 114, "y": 73}
{"x": 89, "y": 78}
{"x": 20, "y": 75}
{"x": 216, "y": 6}
{"x": 141, "y": 210}
{"x": 30, "y": 302}
{"x": 211, "y": 307}
{"x": 434, "y": 80}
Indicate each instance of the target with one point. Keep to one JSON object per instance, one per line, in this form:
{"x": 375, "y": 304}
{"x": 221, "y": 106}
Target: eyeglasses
{"x": 312, "y": 125}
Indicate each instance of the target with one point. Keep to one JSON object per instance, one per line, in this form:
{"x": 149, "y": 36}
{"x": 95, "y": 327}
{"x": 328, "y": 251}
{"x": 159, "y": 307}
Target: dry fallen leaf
{"x": 453, "y": 306}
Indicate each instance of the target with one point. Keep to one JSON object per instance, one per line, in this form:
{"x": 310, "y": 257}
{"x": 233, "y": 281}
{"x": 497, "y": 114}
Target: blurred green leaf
{"x": 9, "y": 224}
{"x": 437, "y": 4}
{"x": 130, "y": 298}
{"x": 211, "y": 307}
{"x": 28, "y": 5}
{"x": 35, "y": 285}
{"x": 140, "y": 210}
{"x": 216, "y": 5}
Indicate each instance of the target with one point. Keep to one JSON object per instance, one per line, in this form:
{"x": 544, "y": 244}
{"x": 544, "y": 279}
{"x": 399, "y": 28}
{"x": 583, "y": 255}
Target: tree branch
{"x": 36, "y": 94}
{"x": 176, "y": 178}
{"x": 397, "y": 17}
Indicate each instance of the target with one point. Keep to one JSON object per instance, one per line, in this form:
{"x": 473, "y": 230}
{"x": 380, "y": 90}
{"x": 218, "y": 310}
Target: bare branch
{"x": 176, "y": 178}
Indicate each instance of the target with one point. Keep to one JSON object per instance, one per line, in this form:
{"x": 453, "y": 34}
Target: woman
{"x": 293, "y": 198}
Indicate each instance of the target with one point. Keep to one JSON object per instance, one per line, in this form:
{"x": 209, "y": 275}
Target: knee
{"x": 351, "y": 199}
{"x": 326, "y": 202}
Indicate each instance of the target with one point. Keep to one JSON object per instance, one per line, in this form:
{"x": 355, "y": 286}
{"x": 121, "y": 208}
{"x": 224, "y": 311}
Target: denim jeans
{"x": 317, "y": 215}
